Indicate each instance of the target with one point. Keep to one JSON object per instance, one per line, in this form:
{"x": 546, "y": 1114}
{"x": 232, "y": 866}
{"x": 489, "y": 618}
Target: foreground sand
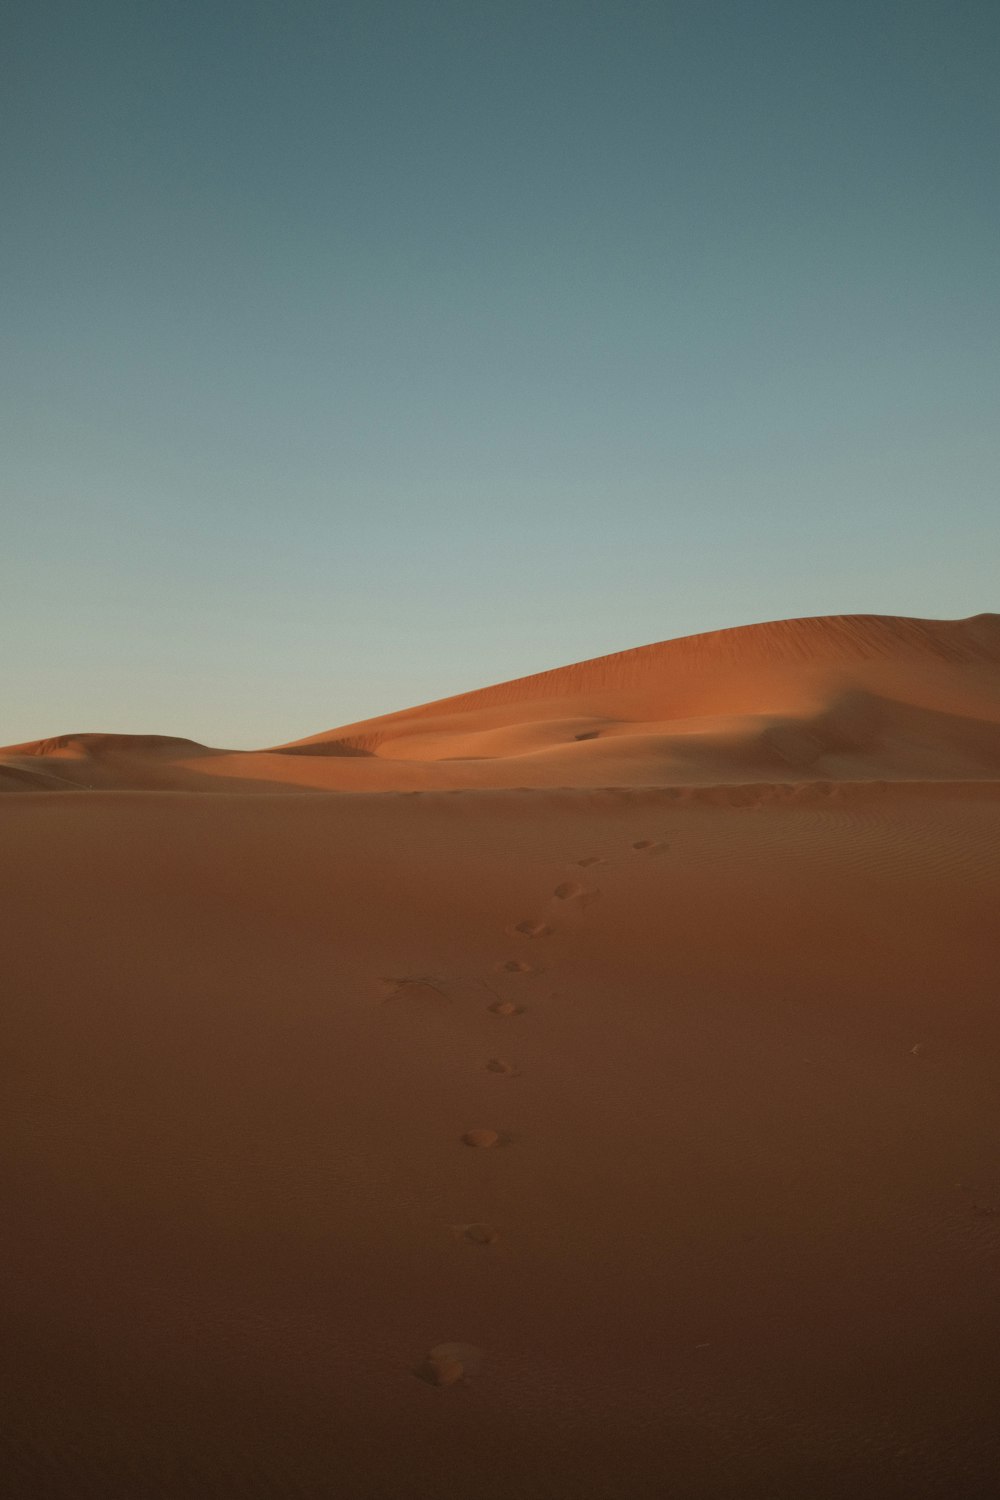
{"x": 739, "y": 1231}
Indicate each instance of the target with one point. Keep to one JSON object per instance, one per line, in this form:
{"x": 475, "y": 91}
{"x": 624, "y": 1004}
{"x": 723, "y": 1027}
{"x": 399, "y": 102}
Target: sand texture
{"x": 587, "y": 1087}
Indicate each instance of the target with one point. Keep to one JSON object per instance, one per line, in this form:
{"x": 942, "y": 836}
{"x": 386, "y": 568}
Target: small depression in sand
{"x": 505, "y": 1008}
{"x": 479, "y": 1234}
{"x": 450, "y": 1364}
{"x": 418, "y": 991}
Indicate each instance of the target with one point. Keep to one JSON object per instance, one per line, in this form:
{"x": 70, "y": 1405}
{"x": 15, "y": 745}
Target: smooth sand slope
{"x": 564, "y": 1116}
{"x": 847, "y": 698}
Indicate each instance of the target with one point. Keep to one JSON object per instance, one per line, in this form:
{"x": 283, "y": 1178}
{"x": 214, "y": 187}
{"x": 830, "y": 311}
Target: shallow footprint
{"x": 440, "y": 1371}
{"x": 515, "y": 966}
{"x": 647, "y": 844}
{"x": 570, "y": 890}
{"x": 477, "y": 1234}
{"x": 505, "y": 1008}
{"x": 449, "y": 1364}
{"x": 533, "y": 929}
{"x": 481, "y": 1139}
{"x": 591, "y": 859}
{"x": 497, "y": 1065}
{"x": 421, "y": 988}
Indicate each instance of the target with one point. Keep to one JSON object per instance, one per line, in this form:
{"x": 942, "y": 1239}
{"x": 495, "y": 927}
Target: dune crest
{"x": 816, "y": 639}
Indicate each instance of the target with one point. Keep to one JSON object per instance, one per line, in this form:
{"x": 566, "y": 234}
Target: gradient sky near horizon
{"x": 360, "y": 353}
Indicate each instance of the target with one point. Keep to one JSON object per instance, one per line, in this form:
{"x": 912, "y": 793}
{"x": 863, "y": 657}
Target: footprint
{"x": 533, "y": 929}
{"x": 478, "y": 1234}
{"x": 570, "y": 890}
{"x": 648, "y": 844}
{"x": 506, "y": 1008}
{"x": 515, "y": 966}
{"x": 439, "y": 1371}
{"x": 449, "y": 1364}
{"x": 483, "y": 1139}
{"x": 497, "y": 1065}
{"x": 591, "y": 859}
{"x": 419, "y": 987}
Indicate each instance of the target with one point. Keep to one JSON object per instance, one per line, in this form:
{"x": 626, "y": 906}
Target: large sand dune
{"x": 642, "y": 1060}
{"x": 848, "y": 698}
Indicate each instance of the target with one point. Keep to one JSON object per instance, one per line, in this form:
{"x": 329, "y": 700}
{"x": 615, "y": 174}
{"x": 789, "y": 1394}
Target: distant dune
{"x": 841, "y": 698}
{"x": 602, "y": 1104}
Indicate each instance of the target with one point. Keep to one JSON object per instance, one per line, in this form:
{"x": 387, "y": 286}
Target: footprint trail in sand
{"x": 445, "y": 1369}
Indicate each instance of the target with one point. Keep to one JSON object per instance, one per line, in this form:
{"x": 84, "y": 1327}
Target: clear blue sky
{"x": 357, "y": 352}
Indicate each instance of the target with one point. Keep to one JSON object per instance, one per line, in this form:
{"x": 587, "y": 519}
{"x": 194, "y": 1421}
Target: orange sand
{"x": 721, "y": 976}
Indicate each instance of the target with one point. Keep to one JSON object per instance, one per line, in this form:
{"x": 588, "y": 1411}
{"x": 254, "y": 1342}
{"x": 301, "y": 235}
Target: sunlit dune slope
{"x": 839, "y": 698}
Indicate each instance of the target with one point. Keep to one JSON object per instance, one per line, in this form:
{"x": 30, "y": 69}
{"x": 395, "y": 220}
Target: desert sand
{"x": 584, "y": 1087}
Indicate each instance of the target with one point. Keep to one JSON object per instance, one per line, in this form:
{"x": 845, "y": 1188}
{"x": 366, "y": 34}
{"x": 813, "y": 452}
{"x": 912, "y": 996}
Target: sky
{"x": 360, "y": 352}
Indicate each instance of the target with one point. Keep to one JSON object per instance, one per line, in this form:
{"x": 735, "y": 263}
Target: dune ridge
{"x": 817, "y": 641}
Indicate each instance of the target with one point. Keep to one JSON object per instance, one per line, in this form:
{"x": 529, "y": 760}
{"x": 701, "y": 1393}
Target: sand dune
{"x": 614, "y": 1114}
{"x": 850, "y": 698}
